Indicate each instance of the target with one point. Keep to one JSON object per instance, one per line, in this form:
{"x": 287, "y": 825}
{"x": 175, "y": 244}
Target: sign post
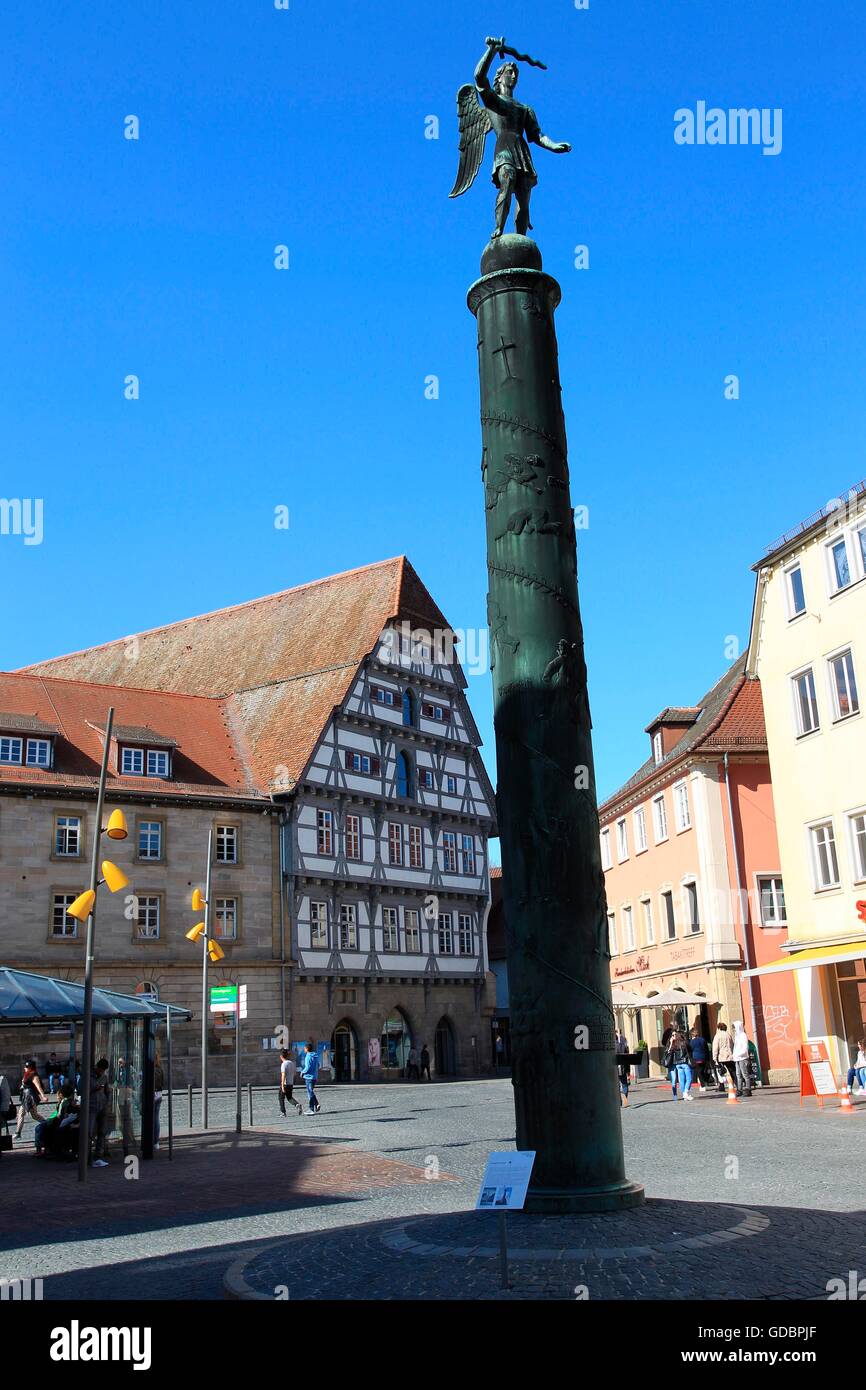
{"x": 241, "y": 1013}
{"x": 503, "y": 1188}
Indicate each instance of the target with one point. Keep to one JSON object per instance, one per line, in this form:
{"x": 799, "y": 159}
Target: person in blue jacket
{"x": 309, "y": 1074}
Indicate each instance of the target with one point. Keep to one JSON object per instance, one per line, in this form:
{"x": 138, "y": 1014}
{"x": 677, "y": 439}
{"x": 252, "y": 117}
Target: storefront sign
{"x": 223, "y": 999}
{"x": 816, "y": 1074}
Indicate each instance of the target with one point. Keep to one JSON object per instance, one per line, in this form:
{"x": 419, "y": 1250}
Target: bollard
{"x": 189, "y": 1105}
{"x": 250, "y": 1089}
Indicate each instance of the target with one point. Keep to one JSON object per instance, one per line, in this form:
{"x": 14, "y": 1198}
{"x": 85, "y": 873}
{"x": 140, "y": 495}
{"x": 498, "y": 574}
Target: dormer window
{"x": 142, "y": 752}
{"x": 38, "y": 752}
{"x": 657, "y": 746}
{"x": 10, "y": 749}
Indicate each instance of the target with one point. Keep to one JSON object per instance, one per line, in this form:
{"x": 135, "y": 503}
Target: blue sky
{"x": 305, "y": 387}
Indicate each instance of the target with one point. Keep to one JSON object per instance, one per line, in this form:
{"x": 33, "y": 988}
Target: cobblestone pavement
{"x": 374, "y": 1198}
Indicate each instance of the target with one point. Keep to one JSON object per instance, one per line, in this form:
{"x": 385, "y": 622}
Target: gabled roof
{"x": 206, "y": 759}
{"x": 281, "y": 663}
{"x": 731, "y": 719}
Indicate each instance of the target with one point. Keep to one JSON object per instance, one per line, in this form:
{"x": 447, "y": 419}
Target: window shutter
{"x": 347, "y": 759}
{"x": 375, "y": 766}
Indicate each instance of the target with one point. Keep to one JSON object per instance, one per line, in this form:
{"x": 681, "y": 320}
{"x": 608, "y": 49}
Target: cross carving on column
{"x": 505, "y": 348}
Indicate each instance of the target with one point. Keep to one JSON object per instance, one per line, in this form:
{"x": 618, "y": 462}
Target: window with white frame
{"x": 467, "y": 854}
{"x": 416, "y": 847}
{"x": 658, "y": 750}
{"x": 805, "y": 702}
{"x": 325, "y": 832}
{"x": 621, "y": 840}
{"x": 150, "y": 839}
{"x": 425, "y": 777}
{"x": 857, "y": 828}
{"x": 464, "y": 934}
{"x": 861, "y": 541}
{"x": 693, "y": 914}
{"x": 771, "y": 895}
{"x": 353, "y": 837}
{"x": 605, "y": 849}
{"x": 147, "y": 919}
{"x": 61, "y": 925}
{"x": 449, "y": 851}
{"x": 640, "y": 842}
{"x": 67, "y": 836}
{"x": 446, "y": 934}
{"x": 451, "y": 784}
{"x": 38, "y": 752}
{"x": 382, "y": 696}
{"x": 825, "y": 861}
{"x": 611, "y": 933}
{"x": 840, "y": 568}
{"x": 627, "y": 929}
{"x": 648, "y": 926}
{"x": 348, "y": 927}
{"x": 412, "y": 928}
{"x": 319, "y": 925}
{"x": 843, "y": 684}
{"x": 390, "y": 931}
{"x": 395, "y": 842}
{"x": 226, "y": 919}
{"x": 795, "y": 593}
{"x": 158, "y": 763}
{"x": 10, "y": 749}
{"x": 432, "y": 710}
{"x": 669, "y": 921}
{"x": 660, "y": 818}
{"x": 132, "y": 762}
{"x": 681, "y": 806}
{"x": 227, "y": 844}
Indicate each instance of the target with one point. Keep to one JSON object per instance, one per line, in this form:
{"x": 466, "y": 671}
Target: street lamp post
{"x": 210, "y": 950}
{"x": 84, "y": 909}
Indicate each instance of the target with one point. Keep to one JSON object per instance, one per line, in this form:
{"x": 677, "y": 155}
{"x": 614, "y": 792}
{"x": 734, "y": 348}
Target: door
{"x": 444, "y": 1049}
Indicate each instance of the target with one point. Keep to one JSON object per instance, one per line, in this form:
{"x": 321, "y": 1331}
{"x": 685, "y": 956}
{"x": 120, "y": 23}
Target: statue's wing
{"x": 475, "y": 126}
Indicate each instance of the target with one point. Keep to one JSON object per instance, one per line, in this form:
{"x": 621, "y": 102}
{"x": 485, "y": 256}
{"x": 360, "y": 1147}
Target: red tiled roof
{"x": 731, "y": 718}
{"x": 283, "y": 662}
{"x": 205, "y": 759}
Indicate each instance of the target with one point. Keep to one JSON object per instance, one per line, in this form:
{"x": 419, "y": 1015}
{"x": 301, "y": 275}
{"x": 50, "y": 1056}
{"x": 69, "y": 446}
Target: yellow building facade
{"x": 808, "y": 647}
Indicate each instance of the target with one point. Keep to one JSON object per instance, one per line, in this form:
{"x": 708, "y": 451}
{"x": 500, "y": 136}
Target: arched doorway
{"x": 444, "y": 1049}
{"x": 396, "y": 1041}
{"x": 344, "y": 1050}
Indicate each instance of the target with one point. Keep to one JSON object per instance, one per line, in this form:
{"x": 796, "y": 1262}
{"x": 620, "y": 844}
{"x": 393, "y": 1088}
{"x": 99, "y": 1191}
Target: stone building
{"x": 324, "y": 734}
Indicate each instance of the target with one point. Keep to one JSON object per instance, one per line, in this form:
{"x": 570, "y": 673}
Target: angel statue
{"x": 483, "y": 108}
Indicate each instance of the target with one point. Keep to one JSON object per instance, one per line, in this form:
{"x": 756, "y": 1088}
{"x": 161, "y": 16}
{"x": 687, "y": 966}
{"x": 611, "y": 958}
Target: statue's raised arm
{"x": 487, "y": 107}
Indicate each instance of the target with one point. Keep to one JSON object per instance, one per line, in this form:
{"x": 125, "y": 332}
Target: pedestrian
{"x": 412, "y": 1064}
{"x": 699, "y": 1053}
{"x": 287, "y": 1082}
{"x": 621, "y": 1043}
{"x": 54, "y": 1073}
{"x": 57, "y": 1137}
{"x": 723, "y": 1054}
{"x": 309, "y": 1075}
{"x": 678, "y": 1063}
{"x": 499, "y": 1044}
{"x": 859, "y": 1068}
{"x": 425, "y": 1062}
{"x": 158, "y": 1088}
{"x": 100, "y": 1112}
{"x": 30, "y": 1092}
{"x": 742, "y": 1061}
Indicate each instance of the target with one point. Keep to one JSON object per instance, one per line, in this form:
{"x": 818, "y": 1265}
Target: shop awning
{"x": 674, "y": 999}
{"x": 813, "y": 955}
{"x": 626, "y": 999}
{"x": 29, "y": 998}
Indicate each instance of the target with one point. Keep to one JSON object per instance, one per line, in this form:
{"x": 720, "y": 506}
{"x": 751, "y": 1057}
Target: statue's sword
{"x": 521, "y": 57}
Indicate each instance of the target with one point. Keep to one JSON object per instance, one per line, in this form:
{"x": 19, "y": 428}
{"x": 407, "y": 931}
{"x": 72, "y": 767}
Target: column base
{"x": 614, "y": 1197}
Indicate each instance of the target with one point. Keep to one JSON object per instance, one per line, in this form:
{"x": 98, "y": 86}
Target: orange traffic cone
{"x": 733, "y": 1098}
{"x": 845, "y": 1103}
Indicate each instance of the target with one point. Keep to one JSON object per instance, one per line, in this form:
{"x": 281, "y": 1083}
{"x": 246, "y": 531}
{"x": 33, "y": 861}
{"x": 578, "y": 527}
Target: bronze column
{"x": 566, "y": 1090}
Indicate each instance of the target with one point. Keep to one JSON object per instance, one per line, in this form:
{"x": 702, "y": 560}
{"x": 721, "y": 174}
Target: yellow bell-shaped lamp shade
{"x": 215, "y": 951}
{"x": 114, "y": 877}
{"x": 195, "y": 932}
{"x": 83, "y": 905}
{"x": 116, "y": 828}
{"x": 198, "y": 900}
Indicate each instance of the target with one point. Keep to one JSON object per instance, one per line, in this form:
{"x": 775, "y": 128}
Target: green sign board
{"x": 223, "y": 999}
